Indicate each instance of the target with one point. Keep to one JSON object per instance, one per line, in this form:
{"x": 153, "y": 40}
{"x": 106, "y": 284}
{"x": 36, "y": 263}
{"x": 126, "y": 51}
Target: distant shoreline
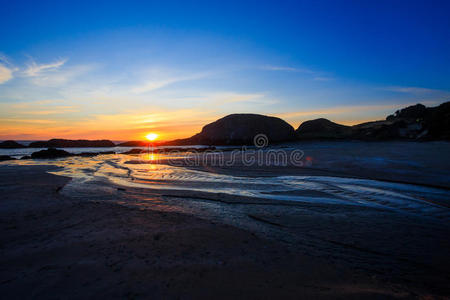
{"x": 413, "y": 123}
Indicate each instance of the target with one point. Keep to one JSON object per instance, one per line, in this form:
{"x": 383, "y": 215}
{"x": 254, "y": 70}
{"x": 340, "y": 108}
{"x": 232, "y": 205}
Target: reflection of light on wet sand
{"x": 143, "y": 171}
{"x": 151, "y": 156}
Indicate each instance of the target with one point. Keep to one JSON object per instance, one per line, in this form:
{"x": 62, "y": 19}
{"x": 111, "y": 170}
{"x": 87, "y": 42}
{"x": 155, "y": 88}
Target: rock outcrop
{"x": 415, "y": 122}
{"x": 6, "y": 157}
{"x": 92, "y": 154}
{"x": 50, "y": 153}
{"x": 11, "y": 145}
{"x": 133, "y": 144}
{"x": 323, "y": 129}
{"x": 57, "y": 153}
{"x": 241, "y": 129}
{"x": 436, "y": 123}
{"x": 62, "y": 143}
{"x": 134, "y": 151}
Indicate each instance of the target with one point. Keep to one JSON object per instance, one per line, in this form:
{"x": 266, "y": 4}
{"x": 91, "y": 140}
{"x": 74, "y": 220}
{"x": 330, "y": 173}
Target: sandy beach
{"x": 224, "y": 149}
{"x": 70, "y": 238}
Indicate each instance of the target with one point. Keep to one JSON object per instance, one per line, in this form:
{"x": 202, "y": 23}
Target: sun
{"x": 151, "y": 136}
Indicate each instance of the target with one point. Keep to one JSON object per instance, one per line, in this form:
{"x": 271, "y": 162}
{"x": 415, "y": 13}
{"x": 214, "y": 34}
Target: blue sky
{"x": 120, "y": 69}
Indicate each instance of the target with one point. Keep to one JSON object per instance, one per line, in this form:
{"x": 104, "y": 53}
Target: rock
{"x": 87, "y": 154}
{"x": 107, "y": 152}
{"x": 437, "y": 122}
{"x": 410, "y": 112}
{"x": 11, "y": 145}
{"x": 61, "y": 143}
{"x": 241, "y": 129}
{"x": 92, "y": 154}
{"x": 381, "y": 130}
{"x": 133, "y": 144}
{"x": 323, "y": 129}
{"x": 50, "y": 153}
{"x": 415, "y": 122}
{"x": 6, "y": 157}
{"x": 134, "y": 151}
{"x": 26, "y": 157}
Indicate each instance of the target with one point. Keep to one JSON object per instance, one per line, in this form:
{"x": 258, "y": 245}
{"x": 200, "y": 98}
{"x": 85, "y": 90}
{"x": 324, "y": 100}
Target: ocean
{"x": 355, "y": 165}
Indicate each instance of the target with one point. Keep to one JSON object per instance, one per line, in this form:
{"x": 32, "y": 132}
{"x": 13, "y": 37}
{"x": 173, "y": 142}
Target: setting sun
{"x": 151, "y": 136}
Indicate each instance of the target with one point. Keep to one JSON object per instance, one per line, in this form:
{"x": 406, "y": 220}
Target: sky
{"x": 121, "y": 69}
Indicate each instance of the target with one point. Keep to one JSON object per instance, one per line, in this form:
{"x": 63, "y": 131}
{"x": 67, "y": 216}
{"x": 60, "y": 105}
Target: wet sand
{"x": 425, "y": 164}
{"x": 122, "y": 242}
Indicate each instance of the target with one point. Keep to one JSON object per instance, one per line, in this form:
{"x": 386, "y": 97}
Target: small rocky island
{"x": 11, "y": 145}
{"x": 62, "y": 143}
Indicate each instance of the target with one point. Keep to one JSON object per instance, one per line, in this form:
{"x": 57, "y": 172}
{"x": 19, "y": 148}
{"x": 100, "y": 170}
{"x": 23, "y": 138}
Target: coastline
{"x": 142, "y": 242}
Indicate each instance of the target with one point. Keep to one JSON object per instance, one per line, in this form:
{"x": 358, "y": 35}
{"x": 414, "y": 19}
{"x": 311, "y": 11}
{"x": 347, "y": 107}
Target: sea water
{"x": 142, "y": 172}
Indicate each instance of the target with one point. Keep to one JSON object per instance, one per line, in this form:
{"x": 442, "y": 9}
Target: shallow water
{"x": 20, "y": 152}
{"x": 141, "y": 172}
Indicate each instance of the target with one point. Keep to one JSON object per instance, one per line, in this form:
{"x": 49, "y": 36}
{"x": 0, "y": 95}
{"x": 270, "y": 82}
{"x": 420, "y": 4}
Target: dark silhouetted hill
{"x": 11, "y": 145}
{"x": 415, "y": 122}
{"x": 133, "y": 144}
{"x": 240, "y": 129}
{"x": 62, "y": 143}
{"x": 323, "y": 129}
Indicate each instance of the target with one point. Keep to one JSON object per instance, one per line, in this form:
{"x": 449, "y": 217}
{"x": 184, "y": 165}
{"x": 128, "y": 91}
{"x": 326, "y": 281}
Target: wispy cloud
{"x": 36, "y": 108}
{"x": 339, "y": 110}
{"x": 28, "y": 104}
{"x": 315, "y": 75}
{"x": 4, "y": 59}
{"x": 323, "y": 78}
{"x": 34, "y": 69}
{"x": 223, "y": 98}
{"x": 157, "y": 83}
{"x": 421, "y": 91}
{"x": 29, "y": 121}
{"x": 60, "y": 77}
{"x": 226, "y": 98}
{"x": 53, "y": 111}
{"x": 5, "y": 74}
{"x": 170, "y": 124}
{"x": 154, "y": 84}
{"x": 47, "y": 74}
{"x": 6, "y": 69}
{"x": 278, "y": 68}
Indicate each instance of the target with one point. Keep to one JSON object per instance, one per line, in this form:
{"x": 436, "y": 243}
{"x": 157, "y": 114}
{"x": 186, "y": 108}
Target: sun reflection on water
{"x": 149, "y": 170}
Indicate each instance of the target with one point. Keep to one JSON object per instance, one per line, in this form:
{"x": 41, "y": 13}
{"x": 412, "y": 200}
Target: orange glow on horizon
{"x": 131, "y": 125}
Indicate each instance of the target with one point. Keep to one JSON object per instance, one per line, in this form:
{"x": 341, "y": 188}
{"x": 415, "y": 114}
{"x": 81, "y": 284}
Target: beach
{"x": 119, "y": 226}
{"x": 225, "y": 150}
